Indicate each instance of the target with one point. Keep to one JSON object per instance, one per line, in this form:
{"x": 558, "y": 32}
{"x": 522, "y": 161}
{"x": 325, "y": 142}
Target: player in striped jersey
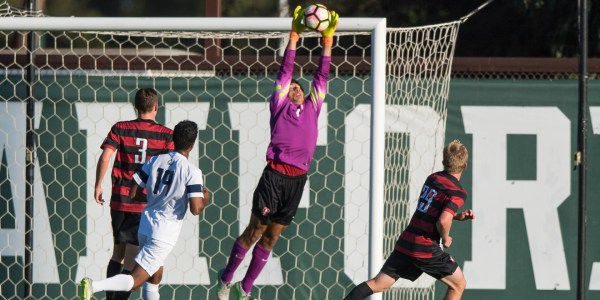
{"x": 294, "y": 131}
{"x": 134, "y": 142}
{"x": 418, "y": 250}
{"x": 174, "y": 184}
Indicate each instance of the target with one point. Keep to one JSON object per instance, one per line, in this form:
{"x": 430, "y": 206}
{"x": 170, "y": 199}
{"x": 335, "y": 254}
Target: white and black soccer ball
{"x": 316, "y": 17}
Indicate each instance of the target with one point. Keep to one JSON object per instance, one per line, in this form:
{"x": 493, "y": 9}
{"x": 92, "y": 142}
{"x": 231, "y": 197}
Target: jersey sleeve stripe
{"x": 194, "y": 188}
{"x": 282, "y": 91}
{"x": 451, "y": 206}
{"x": 109, "y": 143}
{"x": 456, "y": 193}
{"x": 141, "y": 178}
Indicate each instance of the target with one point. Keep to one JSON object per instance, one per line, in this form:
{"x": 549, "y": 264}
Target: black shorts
{"x": 408, "y": 267}
{"x": 125, "y": 226}
{"x": 277, "y": 196}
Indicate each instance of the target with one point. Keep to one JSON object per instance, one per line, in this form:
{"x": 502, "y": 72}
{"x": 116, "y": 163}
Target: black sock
{"x": 113, "y": 268}
{"x": 123, "y": 295}
{"x": 359, "y": 292}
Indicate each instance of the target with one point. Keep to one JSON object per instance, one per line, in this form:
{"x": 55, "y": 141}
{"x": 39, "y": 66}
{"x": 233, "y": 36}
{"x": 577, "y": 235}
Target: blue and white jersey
{"x": 170, "y": 181}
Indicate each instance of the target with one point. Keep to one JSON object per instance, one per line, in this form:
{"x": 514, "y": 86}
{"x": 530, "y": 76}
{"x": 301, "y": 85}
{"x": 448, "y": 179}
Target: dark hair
{"x": 145, "y": 100}
{"x": 185, "y": 134}
{"x": 298, "y": 83}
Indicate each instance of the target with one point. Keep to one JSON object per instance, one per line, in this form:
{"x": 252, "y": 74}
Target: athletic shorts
{"x": 125, "y": 226}
{"x": 408, "y": 267}
{"x": 277, "y": 197}
{"x": 152, "y": 253}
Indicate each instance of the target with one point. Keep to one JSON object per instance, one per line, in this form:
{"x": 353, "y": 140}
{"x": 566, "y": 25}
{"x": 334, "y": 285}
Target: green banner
{"x": 522, "y": 135}
{"x": 523, "y": 187}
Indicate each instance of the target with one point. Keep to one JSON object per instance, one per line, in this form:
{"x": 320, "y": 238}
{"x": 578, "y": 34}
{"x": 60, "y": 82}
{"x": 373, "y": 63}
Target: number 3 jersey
{"x": 441, "y": 192}
{"x": 170, "y": 181}
{"x": 135, "y": 142}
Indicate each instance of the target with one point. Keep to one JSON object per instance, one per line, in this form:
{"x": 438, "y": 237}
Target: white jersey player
{"x": 172, "y": 185}
{"x": 170, "y": 180}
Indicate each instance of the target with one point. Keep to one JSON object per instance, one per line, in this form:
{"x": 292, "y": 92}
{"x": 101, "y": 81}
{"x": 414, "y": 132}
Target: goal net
{"x": 84, "y": 76}
{"x": 417, "y": 82}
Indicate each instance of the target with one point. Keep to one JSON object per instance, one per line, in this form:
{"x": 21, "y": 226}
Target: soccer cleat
{"x": 242, "y": 295}
{"x": 223, "y": 288}
{"x": 85, "y": 289}
{"x": 248, "y": 297}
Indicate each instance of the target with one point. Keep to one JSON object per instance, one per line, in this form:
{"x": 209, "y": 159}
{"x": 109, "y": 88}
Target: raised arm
{"x": 297, "y": 28}
{"x": 318, "y": 88}
{"x": 327, "y": 34}
{"x": 286, "y": 69}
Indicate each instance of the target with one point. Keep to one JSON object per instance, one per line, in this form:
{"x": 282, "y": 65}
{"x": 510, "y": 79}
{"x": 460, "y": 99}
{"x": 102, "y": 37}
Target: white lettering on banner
{"x": 491, "y": 197}
{"x": 539, "y": 199}
{"x": 595, "y": 276}
{"x": 252, "y": 122}
{"x": 426, "y": 139}
{"x": 12, "y": 142}
{"x": 184, "y": 266}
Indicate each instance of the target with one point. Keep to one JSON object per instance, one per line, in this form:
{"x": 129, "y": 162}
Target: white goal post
{"x": 406, "y": 82}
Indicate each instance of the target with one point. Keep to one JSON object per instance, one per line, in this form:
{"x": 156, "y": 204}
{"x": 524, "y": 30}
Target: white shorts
{"x": 152, "y": 253}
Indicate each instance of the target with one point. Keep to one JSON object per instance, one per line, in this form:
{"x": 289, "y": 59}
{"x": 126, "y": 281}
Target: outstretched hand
{"x": 333, "y": 22}
{"x": 464, "y": 215}
{"x": 297, "y": 25}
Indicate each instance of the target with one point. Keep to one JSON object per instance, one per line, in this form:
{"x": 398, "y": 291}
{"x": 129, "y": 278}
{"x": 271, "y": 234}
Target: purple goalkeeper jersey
{"x": 294, "y": 127}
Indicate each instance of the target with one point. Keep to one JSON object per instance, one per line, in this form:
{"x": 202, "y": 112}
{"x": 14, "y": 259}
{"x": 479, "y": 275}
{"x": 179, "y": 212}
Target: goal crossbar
{"x": 172, "y": 24}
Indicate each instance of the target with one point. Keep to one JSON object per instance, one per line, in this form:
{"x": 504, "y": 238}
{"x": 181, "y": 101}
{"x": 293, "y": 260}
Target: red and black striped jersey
{"x": 135, "y": 142}
{"x": 441, "y": 192}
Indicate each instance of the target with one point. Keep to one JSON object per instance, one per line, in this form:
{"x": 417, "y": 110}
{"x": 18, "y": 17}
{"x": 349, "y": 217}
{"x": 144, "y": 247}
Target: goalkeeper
{"x": 293, "y": 141}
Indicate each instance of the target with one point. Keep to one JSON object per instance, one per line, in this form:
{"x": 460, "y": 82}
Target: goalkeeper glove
{"x": 330, "y": 30}
{"x": 297, "y": 26}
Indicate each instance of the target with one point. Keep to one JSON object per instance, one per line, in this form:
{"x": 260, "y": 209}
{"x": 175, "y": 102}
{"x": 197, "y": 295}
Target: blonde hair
{"x": 455, "y": 157}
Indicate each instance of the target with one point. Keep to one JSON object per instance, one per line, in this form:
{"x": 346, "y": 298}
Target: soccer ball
{"x": 316, "y": 17}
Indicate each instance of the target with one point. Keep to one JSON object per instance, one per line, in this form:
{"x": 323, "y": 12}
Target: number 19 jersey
{"x": 170, "y": 181}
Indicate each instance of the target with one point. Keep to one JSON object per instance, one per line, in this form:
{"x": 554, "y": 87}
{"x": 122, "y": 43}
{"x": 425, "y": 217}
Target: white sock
{"x": 119, "y": 282}
{"x": 150, "y": 291}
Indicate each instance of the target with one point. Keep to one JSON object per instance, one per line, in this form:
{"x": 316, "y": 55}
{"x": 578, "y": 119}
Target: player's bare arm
{"x": 465, "y": 215}
{"x": 197, "y": 204}
{"x": 133, "y": 190}
{"x": 443, "y": 225}
{"x": 103, "y": 163}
